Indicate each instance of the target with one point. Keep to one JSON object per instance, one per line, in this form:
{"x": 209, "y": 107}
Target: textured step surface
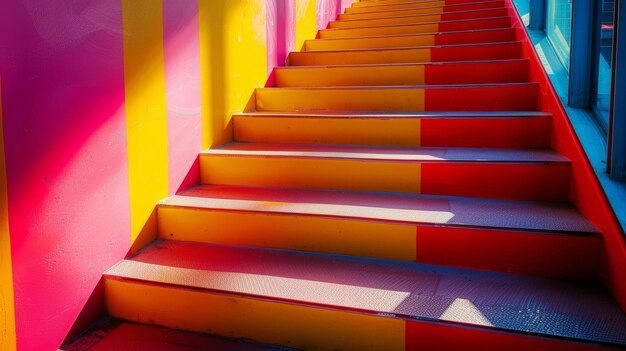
{"x": 428, "y": 27}
{"x": 412, "y": 19}
{"x": 123, "y": 336}
{"x": 466, "y": 52}
{"x": 415, "y": 40}
{"x": 379, "y": 12}
{"x": 400, "y": 290}
{"x": 545, "y": 239}
{"x": 477, "y": 72}
{"x": 470, "y": 97}
{"x": 451, "y": 129}
{"x": 441, "y": 210}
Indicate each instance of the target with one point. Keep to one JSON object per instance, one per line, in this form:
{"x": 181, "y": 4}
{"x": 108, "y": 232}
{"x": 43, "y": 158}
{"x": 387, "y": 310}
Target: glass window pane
{"x": 559, "y": 27}
{"x": 605, "y": 59}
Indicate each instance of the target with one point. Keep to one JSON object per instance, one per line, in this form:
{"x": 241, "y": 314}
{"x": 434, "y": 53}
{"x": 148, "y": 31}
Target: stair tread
{"x": 427, "y": 14}
{"x": 125, "y": 336}
{"x": 405, "y": 48}
{"x": 408, "y": 87}
{"x": 405, "y": 64}
{"x": 417, "y": 7}
{"x": 525, "y": 304}
{"x": 413, "y": 24}
{"x": 399, "y": 114}
{"x": 422, "y": 154}
{"x": 451, "y": 211}
{"x": 392, "y": 36}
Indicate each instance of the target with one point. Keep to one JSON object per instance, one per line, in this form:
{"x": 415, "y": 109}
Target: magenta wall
{"x": 63, "y": 104}
{"x": 64, "y": 124}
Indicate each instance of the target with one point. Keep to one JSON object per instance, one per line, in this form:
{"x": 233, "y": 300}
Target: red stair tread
{"x": 423, "y": 209}
{"x": 422, "y": 154}
{"x": 582, "y": 311}
{"x": 124, "y": 336}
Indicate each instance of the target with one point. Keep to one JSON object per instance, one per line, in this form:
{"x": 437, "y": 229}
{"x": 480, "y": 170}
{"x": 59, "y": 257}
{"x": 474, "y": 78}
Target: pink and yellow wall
{"x": 105, "y": 105}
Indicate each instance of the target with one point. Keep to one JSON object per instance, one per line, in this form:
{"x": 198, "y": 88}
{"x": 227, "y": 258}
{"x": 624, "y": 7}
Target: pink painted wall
{"x": 183, "y": 91}
{"x": 328, "y": 10}
{"x": 64, "y": 130}
{"x": 62, "y": 69}
{"x": 281, "y": 31}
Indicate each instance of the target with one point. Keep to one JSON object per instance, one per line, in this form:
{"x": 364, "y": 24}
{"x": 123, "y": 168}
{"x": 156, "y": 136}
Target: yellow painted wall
{"x": 306, "y": 21}
{"x": 233, "y": 62}
{"x": 7, "y": 309}
{"x": 144, "y": 72}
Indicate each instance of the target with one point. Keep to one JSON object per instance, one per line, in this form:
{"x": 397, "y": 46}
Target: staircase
{"x": 394, "y": 188}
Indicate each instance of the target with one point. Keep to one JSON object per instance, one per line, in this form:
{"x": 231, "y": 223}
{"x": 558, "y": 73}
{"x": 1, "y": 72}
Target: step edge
{"x": 498, "y": 29}
{"x": 167, "y": 203}
{"x": 417, "y": 23}
{"x": 424, "y": 15}
{"x": 501, "y": 43}
{"x": 347, "y": 309}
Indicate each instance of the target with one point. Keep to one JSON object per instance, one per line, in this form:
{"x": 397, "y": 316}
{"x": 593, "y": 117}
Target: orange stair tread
{"x": 539, "y": 306}
{"x": 425, "y": 14}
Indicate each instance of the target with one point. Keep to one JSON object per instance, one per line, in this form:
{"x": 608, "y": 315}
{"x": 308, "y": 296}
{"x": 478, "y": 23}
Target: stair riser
{"x": 421, "y": 55}
{"x": 501, "y": 22}
{"x": 524, "y": 132}
{"x": 423, "y": 6}
{"x": 490, "y": 180}
{"x": 522, "y": 97}
{"x": 456, "y": 38}
{"x": 550, "y": 255}
{"x": 381, "y": 12}
{"x": 450, "y": 16}
{"x": 483, "y": 73}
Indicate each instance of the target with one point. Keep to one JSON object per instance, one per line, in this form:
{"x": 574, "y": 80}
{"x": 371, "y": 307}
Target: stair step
{"x": 314, "y": 301}
{"x": 475, "y": 72}
{"x": 429, "y": 27}
{"x": 449, "y": 53}
{"x": 476, "y": 97}
{"x": 440, "y": 17}
{"x": 413, "y": 2}
{"x": 424, "y": 5}
{"x": 493, "y": 173}
{"x": 451, "y": 129}
{"x": 381, "y": 12}
{"x": 497, "y": 35}
{"x": 541, "y": 238}
{"x": 124, "y": 336}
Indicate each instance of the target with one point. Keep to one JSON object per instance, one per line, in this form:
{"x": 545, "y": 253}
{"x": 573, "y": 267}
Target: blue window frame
{"x": 558, "y": 27}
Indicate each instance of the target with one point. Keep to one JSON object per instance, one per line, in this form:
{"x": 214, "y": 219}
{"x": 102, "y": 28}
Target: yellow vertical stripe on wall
{"x": 146, "y": 125}
{"x": 233, "y": 62}
{"x": 7, "y": 309}
{"x": 306, "y": 21}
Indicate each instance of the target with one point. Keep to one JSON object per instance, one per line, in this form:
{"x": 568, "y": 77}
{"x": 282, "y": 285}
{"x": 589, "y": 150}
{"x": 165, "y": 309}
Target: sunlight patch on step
{"x": 464, "y": 311}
